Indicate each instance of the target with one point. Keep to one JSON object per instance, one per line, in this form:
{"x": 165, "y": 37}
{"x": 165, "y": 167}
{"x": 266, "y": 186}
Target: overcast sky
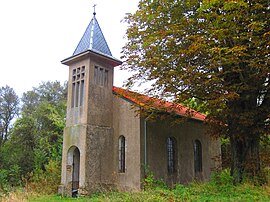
{"x": 35, "y": 35}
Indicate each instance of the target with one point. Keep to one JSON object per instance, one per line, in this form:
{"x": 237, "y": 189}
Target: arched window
{"x": 171, "y": 144}
{"x": 122, "y": 154}
{"x": 197, "y": 156}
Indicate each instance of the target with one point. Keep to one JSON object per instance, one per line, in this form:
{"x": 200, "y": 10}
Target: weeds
{"x": 219, "y": 188}
{"x": 150, "y": 182}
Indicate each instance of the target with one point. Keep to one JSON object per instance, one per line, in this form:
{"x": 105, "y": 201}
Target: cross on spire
{"x": 94, "y": 9}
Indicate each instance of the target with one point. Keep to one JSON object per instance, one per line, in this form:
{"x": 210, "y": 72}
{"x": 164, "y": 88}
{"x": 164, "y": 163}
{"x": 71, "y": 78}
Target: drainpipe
{"x": 145, "y": 139}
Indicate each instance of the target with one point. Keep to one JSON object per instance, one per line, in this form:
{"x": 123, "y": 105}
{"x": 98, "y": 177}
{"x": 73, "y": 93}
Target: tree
{"x": 23, "y": 135}
{"x": 36, "y": 137}
{"x": 50, "y": 92}
{"x": 46, "y": 105}
{"x": 9, "y": 108}
{"x": 216, "y": 51}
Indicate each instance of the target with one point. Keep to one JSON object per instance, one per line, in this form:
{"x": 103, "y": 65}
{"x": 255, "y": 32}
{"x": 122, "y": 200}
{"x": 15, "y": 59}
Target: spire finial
{"x": 94, "y": 9}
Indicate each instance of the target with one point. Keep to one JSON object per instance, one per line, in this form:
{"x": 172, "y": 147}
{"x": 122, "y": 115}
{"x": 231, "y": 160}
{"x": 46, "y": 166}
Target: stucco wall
{"x": 99, "y": 135}
{"x": 127, "y": 123}
{"x": 99, "y": 161}
{"x": 185, "y": 134}
{"x": 73, "y": 137}
{"x": 89, "y": 127}
{"x": 100, "y": 104}
{"x": 78, "y": 115}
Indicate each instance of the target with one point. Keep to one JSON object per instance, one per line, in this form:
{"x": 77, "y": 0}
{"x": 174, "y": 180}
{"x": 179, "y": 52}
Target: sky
{"x": 35, "y": 35}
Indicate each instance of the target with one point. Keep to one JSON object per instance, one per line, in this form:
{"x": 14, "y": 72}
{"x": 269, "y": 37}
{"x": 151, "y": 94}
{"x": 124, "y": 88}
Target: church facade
{"x": 108, "y": 143}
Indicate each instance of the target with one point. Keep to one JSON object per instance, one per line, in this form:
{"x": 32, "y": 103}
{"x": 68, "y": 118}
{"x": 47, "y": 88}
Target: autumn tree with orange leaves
{"x": 216, "y": 51}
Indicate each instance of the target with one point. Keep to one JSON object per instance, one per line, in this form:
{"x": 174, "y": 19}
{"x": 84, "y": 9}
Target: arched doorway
{"x": 75, "y": 172}
{"x": 74, "y": 162}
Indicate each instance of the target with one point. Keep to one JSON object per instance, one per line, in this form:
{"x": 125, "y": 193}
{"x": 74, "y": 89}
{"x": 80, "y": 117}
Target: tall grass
{"x": 38, "y": 183}
{"x": 219, "y": 188}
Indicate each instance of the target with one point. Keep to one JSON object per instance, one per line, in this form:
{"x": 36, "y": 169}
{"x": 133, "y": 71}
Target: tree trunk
{"x": 253, "y": 162}
{"x": 245, "y": 157}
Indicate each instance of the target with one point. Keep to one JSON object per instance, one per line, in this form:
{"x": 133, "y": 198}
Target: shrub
{"x": 222, "y": 178}
{"x": 3, "y": 182}
{"x": 46, "y": 182}
{"x": 9, "y": 179}
{"x": 151, "y": 183}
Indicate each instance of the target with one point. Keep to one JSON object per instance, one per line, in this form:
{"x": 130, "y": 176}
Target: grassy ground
{"x": 193, "y": 192}
{"x": 220, "y": 188}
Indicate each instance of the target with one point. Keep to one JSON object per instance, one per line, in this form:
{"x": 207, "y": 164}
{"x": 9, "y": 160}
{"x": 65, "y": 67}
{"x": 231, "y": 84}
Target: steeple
{"x": 93, "y": 39}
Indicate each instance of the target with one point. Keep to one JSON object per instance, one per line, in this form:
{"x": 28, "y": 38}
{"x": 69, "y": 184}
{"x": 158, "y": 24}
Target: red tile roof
{"x": 150, "y": 102}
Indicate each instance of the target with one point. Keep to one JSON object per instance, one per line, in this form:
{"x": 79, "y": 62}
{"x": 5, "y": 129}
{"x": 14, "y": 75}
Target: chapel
{"x": 111, "y": 140}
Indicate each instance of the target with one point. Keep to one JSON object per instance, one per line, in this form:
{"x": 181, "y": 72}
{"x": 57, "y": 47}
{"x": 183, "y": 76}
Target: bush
{"x": 222, "y": 178}
{"x": 46, "y": 182}
{"x": 4, "y": 188}
{"x": 9, "y": 179}
{"x": 151, "y": 183}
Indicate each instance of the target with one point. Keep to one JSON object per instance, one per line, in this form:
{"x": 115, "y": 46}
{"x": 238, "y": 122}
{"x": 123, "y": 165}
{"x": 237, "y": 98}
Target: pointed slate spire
{"x": 93, "y": 39}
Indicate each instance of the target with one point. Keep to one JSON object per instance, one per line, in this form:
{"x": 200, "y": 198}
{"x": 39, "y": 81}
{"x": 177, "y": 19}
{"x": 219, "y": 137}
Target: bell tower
{"x": 88, "y": 135}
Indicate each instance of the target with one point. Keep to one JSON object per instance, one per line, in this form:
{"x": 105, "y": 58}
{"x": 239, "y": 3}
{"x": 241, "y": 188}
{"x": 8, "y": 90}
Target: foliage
{"x": 46, "y": 105}
{"x": 150, "y": 182}
{"x": 46, "y": 182}
{"x": 216, "y": 52}
{"x": 148, "y": 179}
{"x": 37, "y": 134}
{"x": 196, "y": 104}
{"x": 9, "y": 108}
{"x": 221, "y": 179}
{"x": 9, "y": 179}
{"x": 3, "y": 182}
{"x": 225, "y": 153}
{"x": 219, "y": 188}
{"x": 49, "y": 92}
{"x": 23, "y": 136}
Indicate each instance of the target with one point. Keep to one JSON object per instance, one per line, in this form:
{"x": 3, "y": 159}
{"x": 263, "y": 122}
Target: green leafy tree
{"x": 21, "y": 145}
{"x": 196, "y": 104}
{"x": 50, "y": 125}
{"x": 36, "y": 137}
{"x": 46, "y": 104}
{"x": 51, "y": 92}
{"x": 216, "y": 51}
{"x": 9, "y": 108}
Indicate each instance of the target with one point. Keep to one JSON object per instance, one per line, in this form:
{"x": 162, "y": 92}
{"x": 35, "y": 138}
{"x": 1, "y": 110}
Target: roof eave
{"x": 68, "y": 60}
{"x": 141, "y": 105}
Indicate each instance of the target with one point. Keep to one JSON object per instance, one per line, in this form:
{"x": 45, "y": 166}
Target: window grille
{"x": 122, "y": 154}
{"x": 171, "y": 155}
